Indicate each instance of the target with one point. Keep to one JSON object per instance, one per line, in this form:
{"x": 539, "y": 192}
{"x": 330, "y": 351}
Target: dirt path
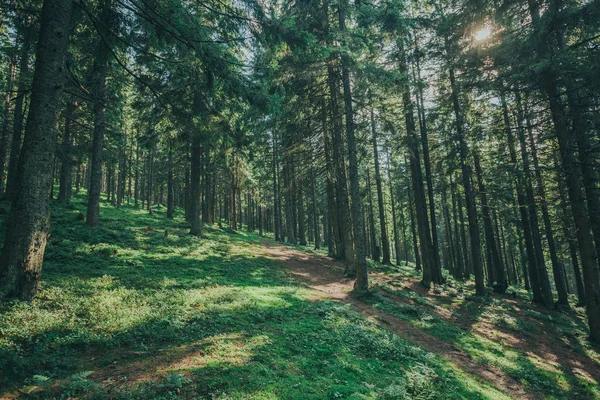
{"x": 325, "y": 277}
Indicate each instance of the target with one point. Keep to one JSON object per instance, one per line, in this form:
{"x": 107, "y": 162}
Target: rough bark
{"x": 66, "y": 167}
{"x": 476, "y": 261}
{"x": 18, "y": 116}
{"x": 5, "y": 130}
{"x": 385, "y": 241}
{"x": 425, "y": 243}
{"x": 99, "y": 87}
{"x": 29, "y": 219}
{"x": 362, "y": 279}
{"x": 498, "y": 277}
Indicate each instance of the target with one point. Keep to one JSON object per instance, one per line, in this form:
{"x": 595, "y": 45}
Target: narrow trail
{"x": 326, "y": 278}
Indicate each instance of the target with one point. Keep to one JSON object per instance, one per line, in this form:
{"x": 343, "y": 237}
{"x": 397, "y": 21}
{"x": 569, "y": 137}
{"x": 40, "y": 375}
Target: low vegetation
{"x": 138, "y": 308}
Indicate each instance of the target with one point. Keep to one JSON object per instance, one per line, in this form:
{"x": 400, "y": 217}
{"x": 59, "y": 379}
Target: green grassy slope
{"x": 140, "y": 309}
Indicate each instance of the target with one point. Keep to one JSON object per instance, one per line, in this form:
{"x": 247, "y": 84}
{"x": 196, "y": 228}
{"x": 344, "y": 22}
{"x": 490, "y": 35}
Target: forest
{"x": 300, "y": 199}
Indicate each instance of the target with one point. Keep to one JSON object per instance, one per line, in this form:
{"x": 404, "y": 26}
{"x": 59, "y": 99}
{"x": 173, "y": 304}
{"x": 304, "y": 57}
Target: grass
{"x": 139, "y": 309}
{"x": 494, "y": 331}
{"x": 127, "y": 311}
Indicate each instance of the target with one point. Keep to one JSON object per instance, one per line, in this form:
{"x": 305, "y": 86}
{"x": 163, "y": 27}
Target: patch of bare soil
{"x": 326, "y": 278}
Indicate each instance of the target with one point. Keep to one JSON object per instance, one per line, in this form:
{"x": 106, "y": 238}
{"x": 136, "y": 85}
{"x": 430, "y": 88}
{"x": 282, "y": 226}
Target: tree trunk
{"x": 5, "y": 132}
{"x": 17, "y": 138}
{"x": 100, "y": 76}
{"x": 341, "y": 185}
{"x": 476, "y": 261}
{"x": 430, "y": 273}
{"x": 394, "y": 224}
{"x": 496, "y": 268}
{"x": 557, "y": 268}
{"x": 385, "y": 241}
{"x": 301, "y": 213}
{"x": 533, "y": 260}
{"x": 195, "y": 172}
{"x": 315, "y": 209}
{"x": 29, "y": 219}
{"x": 66, "y": 168}
{"x": 362, "y": 278}
{"x": 375, "y": 250}
{"x": 170, "y": 193}
{"x": 335, "y": 245}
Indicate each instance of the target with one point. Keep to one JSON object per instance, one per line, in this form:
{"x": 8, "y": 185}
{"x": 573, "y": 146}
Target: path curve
{"x": 326, "y": 277}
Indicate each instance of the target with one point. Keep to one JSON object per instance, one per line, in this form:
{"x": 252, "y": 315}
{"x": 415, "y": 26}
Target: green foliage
{"x": 78, "y": 384}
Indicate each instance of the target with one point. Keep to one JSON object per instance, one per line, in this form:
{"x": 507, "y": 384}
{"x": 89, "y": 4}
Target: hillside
{"x": 138, "y": 308}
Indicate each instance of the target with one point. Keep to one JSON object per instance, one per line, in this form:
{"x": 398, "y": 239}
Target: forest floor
{"x": 138, "y": 308}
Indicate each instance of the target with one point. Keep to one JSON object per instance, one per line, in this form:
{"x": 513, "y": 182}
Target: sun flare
{"x": 483, "y": 33}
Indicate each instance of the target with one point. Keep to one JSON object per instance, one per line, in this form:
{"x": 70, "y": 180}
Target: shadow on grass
{"x": 287, "y": 346}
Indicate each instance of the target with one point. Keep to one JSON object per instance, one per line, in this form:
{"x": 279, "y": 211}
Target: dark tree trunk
{"x": 18, "y": 119}
{"x": 341, "y": 185}
{"x": 5, "y": 130}
{"x": 371, "y": 225}
{"x": 413, "y": 228}
{"x": 170, "y": 192}
{"x": 66, "y": 169}
{"x": 233, "y": 192}
{"x": 496, "y": 270}
{"x": 557, "y": 268}
{"x": 315, "y": 210}
{"x": 566, "y": 141}
{"x": 437, "y": 272}
{"x": 538, "y": 296}
{"x": 100, "y": 75}
{"x": 195, "y": 172}
{"x": 29, "y": 219}
{"x": 335, "y": 245}
{"x": 459, "y": 233}
{"x": 394, "y": 224}
{"x": 362, "y": 278}
{"x": 385, "y": 241}
{"x": 430, "y": 273}
{"x": 542, "y": 272}
{"x": 301, "y": 214}
{"x": 122, "y": 176}
{"x": 463, "y": 150}
{"x": 276, "y": 204}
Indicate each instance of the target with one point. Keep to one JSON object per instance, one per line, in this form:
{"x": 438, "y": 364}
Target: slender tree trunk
{"x": 17, "y": 138}
{"x": 459, "y": 233}
{"x": 498, "y": 277}
{"x": 557, "y": 268}
{"x": 567, "y": 217}
{"x": 341, "y": 186}
{"x": 538, "y": 296}
{"x": 385, "y": 242}
{"x": 430, "y": 273}
{"x": 566, "y": 141}
{"x": 66, "y": 168}
{"x": 5, "y": 132}
{"x": 170, "y": 194}
{"x": 394, "y": 224}
{"x": 301, "y": 214}
{"x": 100, "y": 76}
{"x": 195, "y": 172}
{"x": 375, "y": 249}
{"x": 336, "y": 247}
{"x": 315, "y": 210}
{"x": 29, "y": 220}
{"x": 362, "y": 279}
{"x": 476, "y": 261}
{"x": 413, "y": 228}
{"x": 437, "y": 271}
{"x": 233, "y": 192}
